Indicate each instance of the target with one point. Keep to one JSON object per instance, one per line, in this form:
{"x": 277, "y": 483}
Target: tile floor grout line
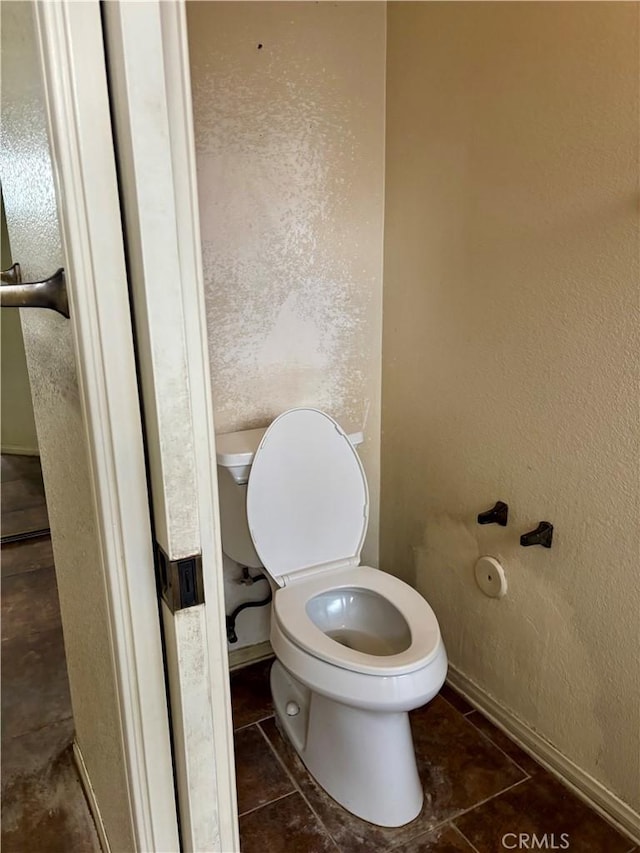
{"x": 283, "y": 765}
{"x": 433, "y": 828}
{"x": 42, "y": 727}
{"x": 430, "y": 829}
{"x": 254, "y": 723}
{"x": 493, "y": 743}
{"x": 297, "y": 787}
{"x": 450, "y": 703}
{"x": 32, "y": 635}
{"x": 48, "y": 568}
{"x": 19, "y": 572}
{"x": 462, "y": 835}
{"x": 488, "y": 799}
{"x": 269, "y": 803}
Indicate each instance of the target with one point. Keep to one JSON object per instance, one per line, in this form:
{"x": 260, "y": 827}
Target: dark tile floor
{"x": 43, "y": 805}
{"x": 22, "y": 494}
{"x": 479, "y": 786}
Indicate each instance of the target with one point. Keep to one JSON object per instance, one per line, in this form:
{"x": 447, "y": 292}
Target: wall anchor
{"x": 542, "y": 535}
{"x": 498, "y": 514}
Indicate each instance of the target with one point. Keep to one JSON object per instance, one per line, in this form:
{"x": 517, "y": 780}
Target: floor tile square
{"x": 251, "y": 694}
{"x": 458, "y": 766}
{"x": 29, "y": 604}
{"x": 286, "y": 826}
{"x": 454, "y": 698}
{"x": 24, "y": 520}
{"x": 27, "y": 556}
{"x": 31, "y": 753}
{"x": 260, "y": 777}
{"x": 540, "y": 805}
{"x": 35, "y": 688}
{"x": 501, "y": 740}
{"x": 444, "y": 839}
{"x": 14, "y": 466}
{"x": 46, "y": 811}
{"x": 22, "y": 494}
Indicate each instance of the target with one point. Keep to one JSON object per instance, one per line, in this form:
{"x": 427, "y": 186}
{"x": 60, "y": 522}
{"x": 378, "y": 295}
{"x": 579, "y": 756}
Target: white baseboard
{"x": 19, "y": 450}
{"x": 91, "y": 798}
{"x": 581, "y": 783}
{"x": 250, "y": 654}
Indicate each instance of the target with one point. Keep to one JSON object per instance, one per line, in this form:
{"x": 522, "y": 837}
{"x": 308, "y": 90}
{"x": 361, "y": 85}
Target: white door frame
{"x": 150, "y": 85}
{"x": 80, "y": 130}
{"x": 89, "y": 212}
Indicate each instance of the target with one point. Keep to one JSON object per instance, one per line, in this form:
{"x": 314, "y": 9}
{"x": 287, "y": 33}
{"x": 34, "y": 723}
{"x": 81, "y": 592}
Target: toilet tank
{"x": 235, "y": 452}
{"x": 234, "y": 455}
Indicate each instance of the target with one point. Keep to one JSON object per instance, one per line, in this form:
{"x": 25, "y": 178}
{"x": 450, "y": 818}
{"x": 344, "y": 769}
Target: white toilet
{"x": 356, "y": 648}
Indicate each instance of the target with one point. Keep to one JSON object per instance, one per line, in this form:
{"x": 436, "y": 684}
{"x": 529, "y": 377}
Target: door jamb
{"x": 150, "y": 76}
{"x": 179, "y": 99}
{"x": 72, "y": 59}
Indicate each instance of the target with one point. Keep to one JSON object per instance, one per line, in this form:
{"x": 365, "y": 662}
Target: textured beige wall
{"x": 511, "y": 357}
{"x": 289, "y": 123}
{"x": 16, "y": 418}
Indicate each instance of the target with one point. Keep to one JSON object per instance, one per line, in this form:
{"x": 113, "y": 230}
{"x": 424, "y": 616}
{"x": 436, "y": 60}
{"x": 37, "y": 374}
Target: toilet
{"x": 356, "y": 648}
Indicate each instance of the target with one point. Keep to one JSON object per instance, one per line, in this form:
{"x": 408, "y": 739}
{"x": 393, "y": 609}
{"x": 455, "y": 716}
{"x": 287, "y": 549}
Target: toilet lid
{"x": 307, "y": 497}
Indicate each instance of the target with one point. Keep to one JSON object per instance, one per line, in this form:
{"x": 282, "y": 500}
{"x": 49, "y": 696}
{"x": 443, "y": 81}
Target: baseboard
{"x": 19, "y": 450}
{"x": 91, "y": 798}
{"x": 250, "y": 654}
{"x": 581, "y": 783}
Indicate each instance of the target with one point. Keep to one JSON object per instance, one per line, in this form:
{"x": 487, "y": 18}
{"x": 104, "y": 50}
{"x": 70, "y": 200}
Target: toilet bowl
{"x": 356, "y": 648}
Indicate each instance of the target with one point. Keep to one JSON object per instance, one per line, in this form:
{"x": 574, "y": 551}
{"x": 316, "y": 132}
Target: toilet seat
{"x": 307, "y": 497}
{"x": 290, "y": 611}
{"x": 307, "y": 509}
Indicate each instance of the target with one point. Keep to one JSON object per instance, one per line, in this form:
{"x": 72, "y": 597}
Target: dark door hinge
{"x": 179, "y": 581}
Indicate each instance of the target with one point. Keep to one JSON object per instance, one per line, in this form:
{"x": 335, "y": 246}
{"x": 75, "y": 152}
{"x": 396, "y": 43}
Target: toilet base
{"x": 364, "y": 759}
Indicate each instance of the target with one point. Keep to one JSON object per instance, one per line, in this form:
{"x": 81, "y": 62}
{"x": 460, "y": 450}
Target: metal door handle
{"x": 49, "y": 293}
{"x": 12, "y": 275}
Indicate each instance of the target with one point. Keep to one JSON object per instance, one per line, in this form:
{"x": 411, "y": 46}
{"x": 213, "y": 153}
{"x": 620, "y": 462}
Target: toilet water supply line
{"x": 248, "y": 579}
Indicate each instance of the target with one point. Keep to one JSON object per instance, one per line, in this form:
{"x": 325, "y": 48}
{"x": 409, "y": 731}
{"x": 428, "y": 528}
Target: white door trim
{"x": 151, "y": 91}
{"x": 180, "y": 110}
{"x": 71, "y": 48}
